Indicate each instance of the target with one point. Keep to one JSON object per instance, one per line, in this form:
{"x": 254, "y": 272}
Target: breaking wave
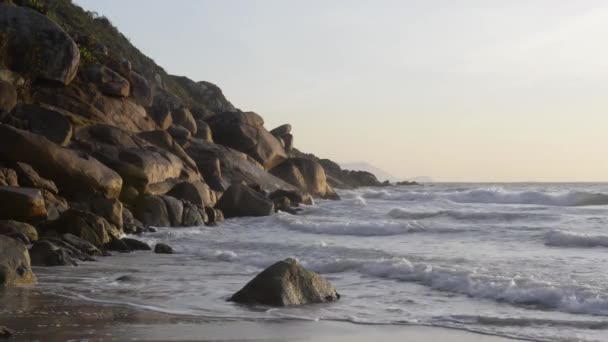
{"x": 570, "y": 239}
{"x": 498, "y": 196}
{"x": 516, "y": 291}
{"x": 462, "y": 215}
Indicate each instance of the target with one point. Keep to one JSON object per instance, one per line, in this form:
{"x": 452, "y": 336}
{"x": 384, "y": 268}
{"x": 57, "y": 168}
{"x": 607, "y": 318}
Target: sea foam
{"x": 571, "y": 239}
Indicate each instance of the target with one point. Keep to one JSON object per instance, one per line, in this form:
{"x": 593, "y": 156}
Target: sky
{"x": 468, "y": 91}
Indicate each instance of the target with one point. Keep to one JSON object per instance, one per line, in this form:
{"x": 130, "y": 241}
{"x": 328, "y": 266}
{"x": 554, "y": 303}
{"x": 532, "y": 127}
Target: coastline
{"x": 38, "y": 316}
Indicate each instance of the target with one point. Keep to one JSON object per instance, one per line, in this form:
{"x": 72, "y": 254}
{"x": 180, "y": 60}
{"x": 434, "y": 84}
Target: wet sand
{"x": 36, "y": 316}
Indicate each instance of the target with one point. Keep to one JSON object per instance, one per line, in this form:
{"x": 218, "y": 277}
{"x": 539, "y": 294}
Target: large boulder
{"x": 8, "y": 227}
{"x": 307, "y": 175}
{"x": 207, "y": 94}
{"x": 46, "y": 122}
{"x": 196, "y": 192}
{"x": 8, "y": 97}
{"x": 164, "y": 140}
{"x": 241, "y": 200}
{"x": 142, "y": 165}
{"x": 45, "y": 253}
{"x": 175, "y": 210}
{"x": 152, "y": 211}
{"x": 286, "y": 283}
{"x": 203, "y": 131}
{"x": 193, "y": 215}
{"x": 245, "y": 132}
{"x": 85, "y": 225}
{"x": 281, "y": 130}
{"x": 37, "y": 46}
{"x": 75, "y": 173}
{"x": 183, "y": 117}
{"x": 22, "y": 204}
{"x": 235, "y": 167}
{"x": 107, "y": 80}
{"x": 109, "y": 209}
{"x": 15, "y": 266}
{"x": 30, "y": 178}
{"x": 140, "y": 89}
{"x": 8, "y": 177}
{"x": 85, "y": 103}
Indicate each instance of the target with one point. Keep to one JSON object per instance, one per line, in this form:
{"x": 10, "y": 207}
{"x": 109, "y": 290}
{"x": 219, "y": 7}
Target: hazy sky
{"x": 455, "y": 90}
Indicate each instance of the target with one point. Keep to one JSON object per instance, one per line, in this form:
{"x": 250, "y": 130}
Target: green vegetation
{"x": 99, "y": 29}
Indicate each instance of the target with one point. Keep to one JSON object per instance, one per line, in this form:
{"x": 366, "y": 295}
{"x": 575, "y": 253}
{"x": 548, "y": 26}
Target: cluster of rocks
{"x": 92, "y": 149}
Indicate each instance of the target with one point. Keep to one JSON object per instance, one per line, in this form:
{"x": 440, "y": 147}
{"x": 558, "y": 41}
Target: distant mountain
{"x": 363, "y": 166}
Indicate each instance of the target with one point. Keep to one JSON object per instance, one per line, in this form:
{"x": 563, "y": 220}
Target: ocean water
{"x": 518, "y": 260}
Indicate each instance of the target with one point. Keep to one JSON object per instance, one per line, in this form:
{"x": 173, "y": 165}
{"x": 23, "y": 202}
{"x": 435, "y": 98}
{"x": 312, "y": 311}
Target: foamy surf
{"x": 571, "y": 239}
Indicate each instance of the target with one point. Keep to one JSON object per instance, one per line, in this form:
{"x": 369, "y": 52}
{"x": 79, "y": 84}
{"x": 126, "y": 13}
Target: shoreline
{"x": 35, "y": 315}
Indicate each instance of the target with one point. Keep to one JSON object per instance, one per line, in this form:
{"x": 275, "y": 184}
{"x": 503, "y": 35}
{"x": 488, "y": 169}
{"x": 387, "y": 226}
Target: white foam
{"x": 399, "y": 213}
{"x": 495, "y": 195}
{"x": 571, "y": 239}
{"x": 355, "y": 228}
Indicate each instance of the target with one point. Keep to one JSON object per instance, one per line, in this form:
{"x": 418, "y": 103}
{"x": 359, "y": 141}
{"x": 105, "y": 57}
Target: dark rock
{"x": 9, "y": 227}
{"x": 131, "y": 225}
{"x": 307, "y": 175}
{"x": 192, "y": 216}
{"x": 147, "y": 168}
{"x": 162, "y": 248}
{"x": 8, "y": 97}
{"x": 213, "y": 216}
{"x": 295, "y": 197}
{"x": 205, "y": 93}
{"x": 241, "y": 200}
{"x": 281, "y": 130}
{"x": 107, "y": 80}
{"x": 151, "y": 210}
{"x": 245, "y": 132}
{"x": 204, "y": 131}
{"x": 37, "y": 46}
{"x": 288, "y": 142}
{"x": 19, "y": 237}
{"x": 175, "y": 208}
{"x": 161, "y": 114}
{"x": 282, "y": 204}
{"x": 22, "y": 204}
{"x": 136, "y": 245}
{"x": 117, "y": 245}
{"x": 74, "y": 173}
{"x": 196, "y": 192}
{"x": 45, "y": 253}
{"x": 6, "y": 332}
{"x": 407, "y": 183}
{"x": 30, "y": 178}
{"x": 183, "y": 117}
{"x": 179, "y": 132}
{"x": 164, "y": 140}
{"x": 55, "y": 205}
{"x": 286, "y": 283}
{"x": 15, "y": 266}
{"x": 85, "y": 225}
{"x": 140, "y": 89}
{"x": 110, "y": 209}
{"x": 82, "y": 245}
{"x": 87, "y": 105}
{"x": 8, "y": 177}
{"x": 235, "y": 167}
{"x": 46, "y": 122}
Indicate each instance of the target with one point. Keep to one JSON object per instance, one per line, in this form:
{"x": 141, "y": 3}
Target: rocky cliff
{"x": 96, "y": 140}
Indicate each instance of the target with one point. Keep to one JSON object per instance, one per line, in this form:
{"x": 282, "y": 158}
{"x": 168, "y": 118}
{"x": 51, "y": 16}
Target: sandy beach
{"x": 36, "y": 316}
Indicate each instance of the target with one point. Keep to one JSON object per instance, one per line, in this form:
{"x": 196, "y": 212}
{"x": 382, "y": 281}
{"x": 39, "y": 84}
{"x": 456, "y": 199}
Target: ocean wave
{"x": 495, "y": 195}
{"x": 525, "y": 322}
{"x": 399, "y": 213}
{"x": 516, "y": 291}
{"x": 362, "y": 228}
{"x": 570, "y": 239}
